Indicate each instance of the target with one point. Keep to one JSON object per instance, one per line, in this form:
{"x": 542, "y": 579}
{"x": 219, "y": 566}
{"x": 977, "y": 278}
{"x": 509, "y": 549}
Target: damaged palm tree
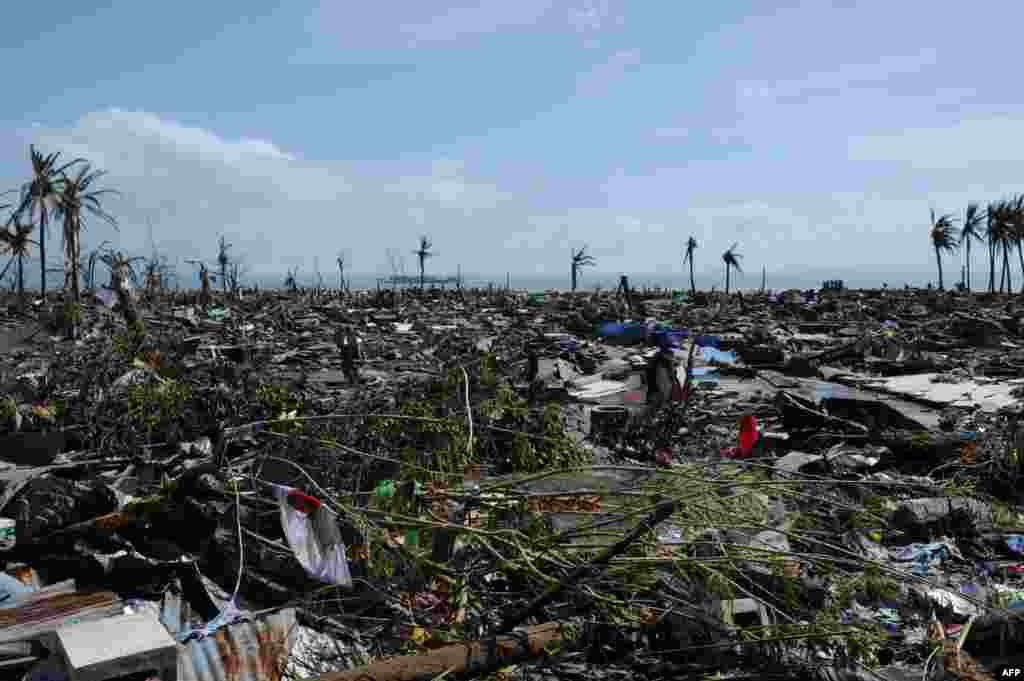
{"x": 691, "y": 246}
{"x": 291, "y": 281}
{"x": 732, "y": 262}
{"x": 41, "y": 197}
{"x": 340, "y": 261}
{"x": 122, "y": 271}
{"x": 78, "y": 198}
{"x": 16, "y": 241}
{"x": 943, "y": 238}
{"x": 971, "y": 231}
{"x": 223, "y": 261}
{"x": 422, "y": 253}
{"x": 579, "y": 260}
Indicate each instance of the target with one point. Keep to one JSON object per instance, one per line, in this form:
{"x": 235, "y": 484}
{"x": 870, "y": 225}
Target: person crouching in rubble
{"x": 348, "y": 343}
{"x": 661, "y": 379}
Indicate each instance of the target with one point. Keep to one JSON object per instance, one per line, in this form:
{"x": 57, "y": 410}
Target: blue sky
{"x": 814, "y": 134}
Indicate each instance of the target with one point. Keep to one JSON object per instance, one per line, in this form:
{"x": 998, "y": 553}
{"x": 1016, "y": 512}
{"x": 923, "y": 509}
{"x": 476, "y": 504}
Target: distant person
{"x": 348, "y": 343}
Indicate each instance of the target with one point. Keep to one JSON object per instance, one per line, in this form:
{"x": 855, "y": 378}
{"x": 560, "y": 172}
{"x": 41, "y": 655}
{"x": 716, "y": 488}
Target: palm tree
{"x": 1015, "y": 231}
{"x": 998, "y": 231}
{"x": 223, "y": 260}
{"x": 691, "y": 246}
{"x": 77, "y": 199}
{"x": 944, "y": 238}
{"x": 41, "y": 195}
{"x": 90, "y": 267}
{"x": 993, "y": 235}
{"x": 732, "y": 261}
{"x": 422, "y": 253}
{"x": 971, "y": 230}
{"x": 341, "y": 270}
{"x": 15, "y": 240}
{"x": 580, "y": 259}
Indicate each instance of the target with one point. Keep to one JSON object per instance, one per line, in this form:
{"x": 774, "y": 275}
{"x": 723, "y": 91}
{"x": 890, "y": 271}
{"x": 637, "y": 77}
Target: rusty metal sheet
{"x": 247, "y": 651}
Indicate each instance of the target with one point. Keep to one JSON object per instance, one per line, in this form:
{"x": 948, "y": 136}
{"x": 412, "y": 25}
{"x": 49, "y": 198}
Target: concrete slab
{"x": 991, "y": 396}
{"x": 117, "y": 646}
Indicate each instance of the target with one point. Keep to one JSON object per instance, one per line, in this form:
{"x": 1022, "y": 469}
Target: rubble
{"x": 237, "y": 495}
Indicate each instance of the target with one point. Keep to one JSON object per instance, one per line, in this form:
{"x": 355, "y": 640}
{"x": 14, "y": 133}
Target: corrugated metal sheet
{"x": 48, "y": 612}
{"x": 247, "y": 651}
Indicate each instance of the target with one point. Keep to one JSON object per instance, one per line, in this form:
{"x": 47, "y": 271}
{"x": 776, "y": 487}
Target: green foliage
{"x": 127, "y": 343}
{"x": 276, "y": 402}
{"x": 153, "y": 406}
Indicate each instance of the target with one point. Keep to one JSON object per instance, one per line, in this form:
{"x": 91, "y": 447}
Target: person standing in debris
{"x": 348, "y": 344}
{"x": 661, "y": 374}
{"x": 532, "y": 364}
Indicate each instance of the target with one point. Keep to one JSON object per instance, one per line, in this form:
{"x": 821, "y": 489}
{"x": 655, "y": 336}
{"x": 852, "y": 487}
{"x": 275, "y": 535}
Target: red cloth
{"x": 748, "y": 433}
{"x": 303, "y": 502}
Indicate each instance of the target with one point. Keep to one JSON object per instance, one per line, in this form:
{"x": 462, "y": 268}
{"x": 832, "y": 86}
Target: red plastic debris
{"x": 303, "y": 502}
{"x": 748, "y": 434}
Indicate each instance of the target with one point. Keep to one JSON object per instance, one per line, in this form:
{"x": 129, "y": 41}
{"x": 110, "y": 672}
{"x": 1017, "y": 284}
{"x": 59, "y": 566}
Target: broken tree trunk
{"x": 465, "y": 659}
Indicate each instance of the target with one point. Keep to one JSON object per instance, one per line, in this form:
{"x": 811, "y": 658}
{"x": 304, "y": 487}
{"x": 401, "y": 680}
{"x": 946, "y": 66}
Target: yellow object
{"x": 42, "y": 412}
{"x": 875, "y": 536}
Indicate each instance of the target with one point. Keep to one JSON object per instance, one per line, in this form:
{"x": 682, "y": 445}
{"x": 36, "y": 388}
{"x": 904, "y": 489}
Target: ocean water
{"x": 589, "y": 282}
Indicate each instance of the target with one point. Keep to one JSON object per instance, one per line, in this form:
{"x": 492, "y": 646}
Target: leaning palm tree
{"x": 422, "y": 253}
{"x": 732, "y": 262}
{"x": 41, "y": 196}
{"x": 971, "y": 230}
{"x": 580, "y": 259}
{"x": 691, "y": 246}
{"x": 943, "y": 234}
{"x": 78, "y": 199}
{"x": 16, "y": 241}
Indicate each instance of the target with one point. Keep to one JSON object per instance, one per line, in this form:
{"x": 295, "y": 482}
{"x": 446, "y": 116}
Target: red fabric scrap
{"x": 303, "y": 502}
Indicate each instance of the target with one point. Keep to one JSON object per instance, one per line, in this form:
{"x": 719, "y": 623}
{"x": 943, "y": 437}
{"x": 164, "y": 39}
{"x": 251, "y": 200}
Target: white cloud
{"x": 194, "y": 185}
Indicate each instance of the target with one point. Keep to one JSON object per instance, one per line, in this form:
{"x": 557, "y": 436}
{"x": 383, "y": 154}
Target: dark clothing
{"x": 348, "y": 344}
{"x": 659, "y": 364}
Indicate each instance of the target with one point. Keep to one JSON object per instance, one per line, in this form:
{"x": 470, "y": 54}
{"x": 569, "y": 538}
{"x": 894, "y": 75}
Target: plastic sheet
{"x": 307, "y": 526}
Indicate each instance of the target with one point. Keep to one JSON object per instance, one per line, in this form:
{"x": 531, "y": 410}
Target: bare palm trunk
{"x": 21, "y": 281}
{"x": 1006, "y": 266}
{"x": 991, "y": 267}
{"x": 572, "y": 275}
{"x": 727, "y": 268}
{"x": 938, "y": 261}
{"x": 693, "y": 285}
{"x": 967, "y": 278}
{"x": 1020, "y": 255}
{"x": 42, "y": 249}
{"x": 422, "y": 277}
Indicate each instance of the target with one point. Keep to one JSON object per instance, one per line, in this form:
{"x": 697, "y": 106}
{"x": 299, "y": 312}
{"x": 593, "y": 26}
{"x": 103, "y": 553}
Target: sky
{"x": 816, "y": 134}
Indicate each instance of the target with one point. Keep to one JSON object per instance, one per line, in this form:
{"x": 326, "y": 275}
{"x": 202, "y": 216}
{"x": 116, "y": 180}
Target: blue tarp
{"x": 704, "y": 375}
{"x": 634, "y": 330}
{"x": 671, "y": 339}
{"x": 716, "y": 355}
{"x": 707, "y": 341}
